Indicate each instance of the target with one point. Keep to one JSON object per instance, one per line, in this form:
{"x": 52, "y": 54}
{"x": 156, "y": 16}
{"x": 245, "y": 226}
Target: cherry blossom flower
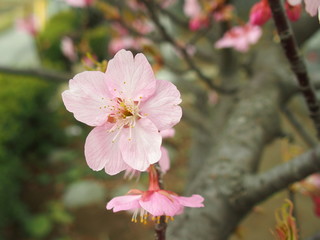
{"x": 79, "y": 3}
{"x": 128, "y": 107}
{"x": 28, "y": 25}
{"x": 260, "y": 13}
{"x": 68, "y": 49}
{"x": 240, "y": 37}
{"x": 155, "y": 202}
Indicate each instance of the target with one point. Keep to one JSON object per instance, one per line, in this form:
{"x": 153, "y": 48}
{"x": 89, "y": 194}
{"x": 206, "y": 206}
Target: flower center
{"x": 124, "y": 114}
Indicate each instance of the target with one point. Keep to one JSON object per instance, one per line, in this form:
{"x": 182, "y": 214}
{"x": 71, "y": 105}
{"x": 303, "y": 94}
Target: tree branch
{"x": 281, "y": 176}
{"x": 299, "y": 128}
{"x": 292, "y": 53}
{"x": 45, "y": 74}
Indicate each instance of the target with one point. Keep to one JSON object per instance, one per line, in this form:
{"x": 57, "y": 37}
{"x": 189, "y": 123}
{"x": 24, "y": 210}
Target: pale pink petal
{"x": 140, "y": 145}
{"x": 253, "y": 33}
{"x": 128, "y": 202}
{"x": 158, "y": 204}
{"x": 162, "y": 108}
{"x": 68, "y": 49}
{"x": 170, "y": 132}
{"x": 130, "y": 77}
{"x": 294, "y": 2}
{"x": 193, "y": 201}
{"x": 191, "y": 8}
{"x": 164, "y": 161}
{"x": 88, "y": 98}
{"x": 312, "y": 6}
{"x": 102, "y": 150}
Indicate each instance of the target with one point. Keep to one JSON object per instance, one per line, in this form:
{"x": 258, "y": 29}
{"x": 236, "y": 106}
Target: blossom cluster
{"x": 131, "y": 111}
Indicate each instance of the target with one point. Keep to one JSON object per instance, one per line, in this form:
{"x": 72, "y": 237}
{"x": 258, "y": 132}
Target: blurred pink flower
{"x": 293, "y": 12}
{"x": 79, "y": 3}
{"x": 127, "y": 42}
{"x": 191, "y": 8}
{"x": 68, "y": 49}
{"x": 312, "y": 6}
{"x": 128, "y": 107}
{"x": 28, "y": 24}
{"x": 260, "y": 13}
{"x": 240, "y": 37}
{"x": 198, "y": 22}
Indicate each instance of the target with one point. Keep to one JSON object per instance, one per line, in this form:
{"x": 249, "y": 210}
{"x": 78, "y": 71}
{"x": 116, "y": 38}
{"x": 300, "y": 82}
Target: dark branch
{"x": 297, "y": 64}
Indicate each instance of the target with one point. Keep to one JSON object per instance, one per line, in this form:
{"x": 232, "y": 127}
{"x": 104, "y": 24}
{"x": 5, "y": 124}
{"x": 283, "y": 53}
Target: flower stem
{"x": 155, "y": 180}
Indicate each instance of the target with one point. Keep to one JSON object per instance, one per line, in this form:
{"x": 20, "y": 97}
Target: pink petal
{"x": 158, "y": 204}
{"x": 191, "y": 8}
{"x": 122, "y": 203}
{"x": 193, "y": 201}
{"x": 162, "y": 108}
{"x": 88, "y": 98}
{"x": 101, "y": 152}
{"x": 168, "y": 133}
{"x": 130, "y": 78}
{"x": 164, "y": 161}
{"x": 312, "y": 6}
{"x": 142, "y": 147}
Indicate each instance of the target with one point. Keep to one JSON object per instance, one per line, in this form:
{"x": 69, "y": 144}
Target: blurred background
{"x": 47, "y": 190}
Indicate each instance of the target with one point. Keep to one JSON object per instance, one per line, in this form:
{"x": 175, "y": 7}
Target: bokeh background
{"x": 46, "y": 189}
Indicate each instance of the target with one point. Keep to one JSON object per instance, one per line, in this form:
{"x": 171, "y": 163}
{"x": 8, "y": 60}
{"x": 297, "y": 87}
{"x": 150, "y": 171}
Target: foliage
{"x": 26, "y": 121}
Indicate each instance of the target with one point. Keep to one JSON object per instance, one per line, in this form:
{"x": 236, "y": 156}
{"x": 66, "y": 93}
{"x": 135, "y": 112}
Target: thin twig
{"x": 45, "y": 74}
{"x": 299, "y": 128}
{"x": 292, "y": 53}
{"x": 161, "y": 226}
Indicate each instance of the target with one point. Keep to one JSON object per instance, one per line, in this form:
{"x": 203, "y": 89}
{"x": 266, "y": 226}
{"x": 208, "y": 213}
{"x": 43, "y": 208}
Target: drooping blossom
{"x": 128, "y": 107}
{"x": 154, "y": 203}
{"x": 240, "y": 37}
{"x": 260, "y": 13}
{"x": 79, "y": 3}
{"x": 68, "y": 49}
{"x": 293, "y": 12}
{"x": 29, "y": 25}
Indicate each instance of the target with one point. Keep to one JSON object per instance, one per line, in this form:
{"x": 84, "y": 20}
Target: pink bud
{"x": 293, "y": 12}
{"x": 260, "y": 13}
